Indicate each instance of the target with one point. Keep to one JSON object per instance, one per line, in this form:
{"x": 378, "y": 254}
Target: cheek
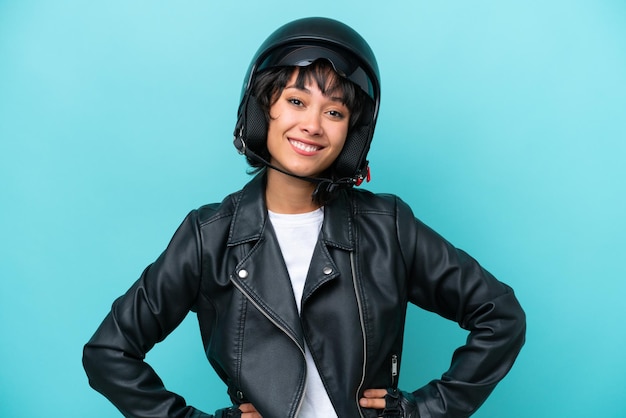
{"x": 274, "y": 124}
{"x": 340, "y": 136}
{"x": 271, "y": 136}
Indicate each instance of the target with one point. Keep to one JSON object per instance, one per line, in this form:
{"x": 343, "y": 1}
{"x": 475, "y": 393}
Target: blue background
{"x": 502, "y": 124}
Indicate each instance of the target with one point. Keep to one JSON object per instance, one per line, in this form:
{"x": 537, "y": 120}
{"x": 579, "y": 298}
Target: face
{"x": 307, "y": 129}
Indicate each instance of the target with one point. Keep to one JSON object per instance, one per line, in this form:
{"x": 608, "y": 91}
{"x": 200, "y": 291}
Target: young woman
{"x": 300, "y": 281}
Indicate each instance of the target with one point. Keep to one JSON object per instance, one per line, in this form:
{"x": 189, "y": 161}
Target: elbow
{"x": 521, "y": 325}
{"x": 97, "y": 366}
{"x": 90, "y": 363}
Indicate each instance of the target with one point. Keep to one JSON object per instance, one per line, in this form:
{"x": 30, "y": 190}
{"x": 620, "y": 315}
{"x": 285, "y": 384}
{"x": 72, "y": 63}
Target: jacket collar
{"x": 250, "y": 217}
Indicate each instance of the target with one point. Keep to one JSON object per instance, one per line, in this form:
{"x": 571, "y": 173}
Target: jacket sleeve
{"x": 447, "y": 281}
{"x": 155, "y": 305}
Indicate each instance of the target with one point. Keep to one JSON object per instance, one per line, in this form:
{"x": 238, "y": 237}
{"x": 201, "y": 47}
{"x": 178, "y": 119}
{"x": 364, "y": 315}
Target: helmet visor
{"x": 343, "y": 62}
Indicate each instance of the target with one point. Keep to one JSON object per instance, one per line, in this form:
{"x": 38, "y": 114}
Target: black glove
{"x": 231, "y": 412}
{"x": 399, "y": 404}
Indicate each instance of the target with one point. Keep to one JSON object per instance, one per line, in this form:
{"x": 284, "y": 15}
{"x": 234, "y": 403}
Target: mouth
{"x": 307, "y": 148}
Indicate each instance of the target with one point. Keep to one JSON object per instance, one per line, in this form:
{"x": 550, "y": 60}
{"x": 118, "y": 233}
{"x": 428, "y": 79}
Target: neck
{"x": 286, "y": 194}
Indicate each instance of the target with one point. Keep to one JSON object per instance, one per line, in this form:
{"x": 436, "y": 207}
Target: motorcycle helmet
{"x": 300, "y": 43}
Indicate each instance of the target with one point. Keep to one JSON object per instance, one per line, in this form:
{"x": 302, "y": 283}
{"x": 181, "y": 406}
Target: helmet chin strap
{"x": 325, "y": 186}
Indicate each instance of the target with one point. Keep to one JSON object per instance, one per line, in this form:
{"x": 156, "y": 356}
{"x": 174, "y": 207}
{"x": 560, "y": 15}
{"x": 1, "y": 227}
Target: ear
{"x": 353, "y": 157}
{"x": 251, "y": 126}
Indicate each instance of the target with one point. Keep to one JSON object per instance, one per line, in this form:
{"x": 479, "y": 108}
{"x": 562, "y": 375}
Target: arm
{"x": 449, "y": 282}
{"x": 152, "y": 308}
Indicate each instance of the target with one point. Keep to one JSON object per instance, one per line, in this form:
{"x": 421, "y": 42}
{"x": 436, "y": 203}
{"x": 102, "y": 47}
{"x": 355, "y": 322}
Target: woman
{"x": 301, "y": 282}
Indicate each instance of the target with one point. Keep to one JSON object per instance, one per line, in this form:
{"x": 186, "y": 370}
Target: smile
{"x": 304, "y": 147}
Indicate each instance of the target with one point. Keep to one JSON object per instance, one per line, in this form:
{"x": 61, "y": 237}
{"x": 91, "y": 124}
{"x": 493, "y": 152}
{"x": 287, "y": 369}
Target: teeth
{"x": 303, "y": 146}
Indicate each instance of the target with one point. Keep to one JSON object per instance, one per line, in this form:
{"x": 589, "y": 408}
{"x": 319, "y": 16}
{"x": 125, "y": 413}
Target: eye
{"x": 336, "y": 114}
{"x": 295, "y": 101}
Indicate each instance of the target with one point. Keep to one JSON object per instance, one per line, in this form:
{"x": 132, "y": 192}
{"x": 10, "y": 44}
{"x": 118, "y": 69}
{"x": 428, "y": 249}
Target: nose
{"x": 312, "y": 123}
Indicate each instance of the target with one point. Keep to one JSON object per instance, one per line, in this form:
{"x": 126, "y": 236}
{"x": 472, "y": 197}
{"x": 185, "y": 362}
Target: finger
{"x": 375, "y": 393}
{"x": 373, "y": 398}
{"x": 373, "y": 403}
{"x": 249, "y": 411}
{"x": 251, "y": 415}
{"x": 247, "y": 407}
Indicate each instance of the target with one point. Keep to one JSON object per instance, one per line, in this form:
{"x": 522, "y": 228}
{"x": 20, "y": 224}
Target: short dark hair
{"x": 268, "y": 85}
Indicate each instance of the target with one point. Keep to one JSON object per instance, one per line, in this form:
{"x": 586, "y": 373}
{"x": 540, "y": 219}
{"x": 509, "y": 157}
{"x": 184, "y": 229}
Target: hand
{"x": 391, "y": 402}
{"x": 245, "y": 410}
{"x": 249, "y": 411}
{"x": 373, "y": 398}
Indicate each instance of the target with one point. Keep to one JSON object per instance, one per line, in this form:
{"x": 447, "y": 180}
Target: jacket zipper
{"x": 394, "y": 370}
{"x": 359, "y": 304}
{"x": 283, "y": 329}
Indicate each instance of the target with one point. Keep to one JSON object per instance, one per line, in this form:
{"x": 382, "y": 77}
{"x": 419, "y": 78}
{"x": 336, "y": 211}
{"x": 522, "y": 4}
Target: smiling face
{"x": 307, "y": 128}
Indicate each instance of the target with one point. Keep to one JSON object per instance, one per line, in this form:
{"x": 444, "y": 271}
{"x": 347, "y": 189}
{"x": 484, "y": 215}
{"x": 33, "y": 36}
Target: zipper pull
{"x": 394, "y": 370}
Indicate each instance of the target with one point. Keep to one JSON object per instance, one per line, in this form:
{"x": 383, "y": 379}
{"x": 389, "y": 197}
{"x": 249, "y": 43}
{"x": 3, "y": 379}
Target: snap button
{"x": 327, "y": 270}
{"x": 242, "y": 273}
{"x": 240, "y": 395}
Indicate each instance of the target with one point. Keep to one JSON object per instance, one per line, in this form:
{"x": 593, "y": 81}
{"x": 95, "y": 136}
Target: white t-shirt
{"x": 297, "y": 235}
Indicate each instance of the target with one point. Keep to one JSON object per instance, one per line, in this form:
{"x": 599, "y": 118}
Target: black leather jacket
{"x": 371, "y": 259}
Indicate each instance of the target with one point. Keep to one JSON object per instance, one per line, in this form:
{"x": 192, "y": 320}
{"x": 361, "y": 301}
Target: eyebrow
{"x": 304, "y": 89}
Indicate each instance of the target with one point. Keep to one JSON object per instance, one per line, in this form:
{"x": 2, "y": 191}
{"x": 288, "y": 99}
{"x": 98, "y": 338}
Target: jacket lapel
{"x": 261, "y": 273}
{"x": 336, "y": 232}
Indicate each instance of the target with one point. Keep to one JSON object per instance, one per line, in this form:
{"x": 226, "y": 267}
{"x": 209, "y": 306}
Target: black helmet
{"x": 300, "y": 43}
